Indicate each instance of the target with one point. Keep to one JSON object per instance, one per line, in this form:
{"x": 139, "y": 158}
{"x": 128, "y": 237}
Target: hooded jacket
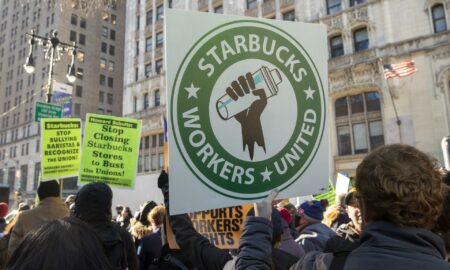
{"x": 386, "y": 246}
{"x": 93, "y": 206}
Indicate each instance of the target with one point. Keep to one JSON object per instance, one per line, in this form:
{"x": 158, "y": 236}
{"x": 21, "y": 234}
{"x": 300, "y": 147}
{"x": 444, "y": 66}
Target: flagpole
{"x": 386, "y": 84}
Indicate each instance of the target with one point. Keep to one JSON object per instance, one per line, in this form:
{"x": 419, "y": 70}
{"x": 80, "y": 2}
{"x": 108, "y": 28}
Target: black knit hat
{"x": 48, "y": 189}
{"x": 93, "y": 203}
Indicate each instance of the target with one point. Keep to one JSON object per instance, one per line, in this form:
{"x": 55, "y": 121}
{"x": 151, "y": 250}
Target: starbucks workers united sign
{"x": 247, "y": 109}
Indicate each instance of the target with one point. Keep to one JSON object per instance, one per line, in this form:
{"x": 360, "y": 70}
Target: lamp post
{"x": 53, "y": 48}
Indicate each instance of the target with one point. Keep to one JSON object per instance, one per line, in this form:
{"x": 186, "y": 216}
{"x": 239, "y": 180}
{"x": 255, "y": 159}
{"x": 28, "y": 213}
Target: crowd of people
{"x": 397, "y": 216}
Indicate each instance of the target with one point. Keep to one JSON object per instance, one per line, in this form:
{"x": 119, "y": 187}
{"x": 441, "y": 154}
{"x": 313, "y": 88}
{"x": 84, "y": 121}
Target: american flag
{"x": 399, "y": 70}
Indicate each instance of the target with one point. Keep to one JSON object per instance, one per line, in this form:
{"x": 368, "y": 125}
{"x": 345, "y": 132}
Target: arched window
{"x": 438, "y": 15}
{"x": 358, "y": 123}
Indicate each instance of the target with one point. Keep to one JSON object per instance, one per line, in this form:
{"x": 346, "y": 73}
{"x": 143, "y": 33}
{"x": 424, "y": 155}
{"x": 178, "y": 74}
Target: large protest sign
{"x": 222, "y": 227}
{"x": 247, "y": 109}
{"x": 61, "y": 143}
{"x": 110, "y": 150}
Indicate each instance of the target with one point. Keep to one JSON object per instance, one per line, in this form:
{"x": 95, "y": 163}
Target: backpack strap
{"x": 175, "y": 261}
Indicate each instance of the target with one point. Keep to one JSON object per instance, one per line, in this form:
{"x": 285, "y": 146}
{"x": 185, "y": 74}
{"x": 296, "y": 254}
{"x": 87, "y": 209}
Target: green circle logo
{"x": 247, "y": 109}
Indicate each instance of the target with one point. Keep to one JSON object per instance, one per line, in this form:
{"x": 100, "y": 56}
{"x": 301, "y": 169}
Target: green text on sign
{"x": 110, "y": 150}
{"x": 46, "y": 110}
{"x": 61, "y": 142}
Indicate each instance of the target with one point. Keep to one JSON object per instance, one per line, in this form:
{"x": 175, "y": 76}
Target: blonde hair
{"x": 332, "y": 214}
{"x": 156, "y": 216}
{"x": 139, "y": 230}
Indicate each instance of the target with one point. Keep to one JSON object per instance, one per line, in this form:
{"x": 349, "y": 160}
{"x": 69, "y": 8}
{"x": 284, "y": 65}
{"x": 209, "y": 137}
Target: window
{"x": 159, "y": 39}
{"x": 102, "y": 63}
{"x": 101, "y": 97}
{"x": 149, "y": 17}
{"x": 102, "y": 79}
{"x": 147, "y": 142}
{"x": 83, "y": 23}
{"x": 110, "y": 82}
{"x": 148, "y": 44}
{"x": 161, "y": 160}
{"x": 153, "y": 141}
{"x": 145, "y": 101}
{"x": 80, "y": 56}
{"x": 77, "y": 109}
{"x": 80, "y": 73}
{"x": 73, "y": 19}
{"x": 361, "y": 130}
{"x": 112, "y": 50}
{"x": 154, "y": 164}
{"x": 160, "y": 13}
{"x": 79, "y": 91}
{"x": 289, "y": 16}
{"x": 104, "y": 47}
{"x": 438, "y": 14}
{"x": 218, "y": 10}
{"x": 134, "y": 104}
{"x": 147, "y": 163}
{"x": 136, "y": 74}
{"x": 361, "y": 40}
{"x": 251, "y": 4}
{"x": 137, "y": 48}
{"x": 37, "y": 172}
{"x": 137, "y": 22}
{"x": 105, "y": 31}
{"x": 148, "y": 70}
{"x": 82, "y": 39}
{"x": 113, "y": 19}
{"x": 333, "y": 6}
{"x": 139, "y": 164}
{"x": 161, "y": 139}
{"x": 73, "y": 36}
{"x": 157, "y": 98}
{"x": 158, "y": 66}
{"x": 336, "y": 46}
{"x": 356, "y": 2}
{"x": 112, "y": 34}
{"x": 111, "y": 66}
{"x": 110, "y": 99}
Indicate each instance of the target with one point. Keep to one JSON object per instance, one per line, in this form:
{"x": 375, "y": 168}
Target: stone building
{"x": 97, "y": 89}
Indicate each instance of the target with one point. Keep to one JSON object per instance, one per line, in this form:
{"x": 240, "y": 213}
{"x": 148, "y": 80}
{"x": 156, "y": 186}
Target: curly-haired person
{"x": 401, "y": 197}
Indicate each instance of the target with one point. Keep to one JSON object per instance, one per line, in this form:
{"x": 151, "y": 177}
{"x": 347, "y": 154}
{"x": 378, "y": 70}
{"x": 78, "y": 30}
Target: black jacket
{"x": 93, "y": 206}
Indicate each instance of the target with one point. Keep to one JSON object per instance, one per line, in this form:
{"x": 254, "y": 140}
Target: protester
{"x": 3, "y": 213}
{"x": 313, "y": 233}
{"x": 60, "y": 244}
{"x": 118, "y": 217}
{"x": 93, "y": 206}
{"x": 150, "y": 246}
{"x": 143, "y": 213}
{"x": 287, "y": 242}
{"x": 138, "y": 231}
{"x": 205, "y": 256}
{"x": 50, "y": 207}
{"x": 126, "y": 218}
{"x": 335, "y": 215}
{"x": 351, "y": 230}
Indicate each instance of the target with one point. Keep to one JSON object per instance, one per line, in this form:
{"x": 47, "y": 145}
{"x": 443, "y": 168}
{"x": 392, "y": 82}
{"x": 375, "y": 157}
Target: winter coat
{"x": 314, "y": 237}
{"x": 289, "y": 245}
{"x": 93, "y": 206}
{"x": 348, "y": 232}
{"x": 149, "y": 249}
{"x": 386, "y": 246}
{"x": 49, "y": 209}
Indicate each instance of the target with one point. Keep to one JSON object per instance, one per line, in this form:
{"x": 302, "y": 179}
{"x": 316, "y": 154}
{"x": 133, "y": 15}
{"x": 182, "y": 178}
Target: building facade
{"x": 97, "y": 89}
{"x": 366, "y": 110}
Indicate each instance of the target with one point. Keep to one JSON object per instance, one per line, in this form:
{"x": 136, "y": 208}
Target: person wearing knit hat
{"x": 3, "y": 213}
{"x": 313, "y": 234}
{"x": 50, "y": 207}
{"x": 287, "y": 242}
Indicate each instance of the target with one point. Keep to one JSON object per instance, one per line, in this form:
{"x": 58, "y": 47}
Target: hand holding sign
{"x": 264, "y": 207}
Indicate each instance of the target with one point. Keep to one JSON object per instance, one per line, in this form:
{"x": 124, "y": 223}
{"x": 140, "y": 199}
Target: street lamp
{"x": 53, "y": 48}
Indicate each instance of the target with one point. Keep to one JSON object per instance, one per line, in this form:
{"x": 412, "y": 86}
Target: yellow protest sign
{"x": 61, "y": 141}
{"x": 222, "y": 227}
